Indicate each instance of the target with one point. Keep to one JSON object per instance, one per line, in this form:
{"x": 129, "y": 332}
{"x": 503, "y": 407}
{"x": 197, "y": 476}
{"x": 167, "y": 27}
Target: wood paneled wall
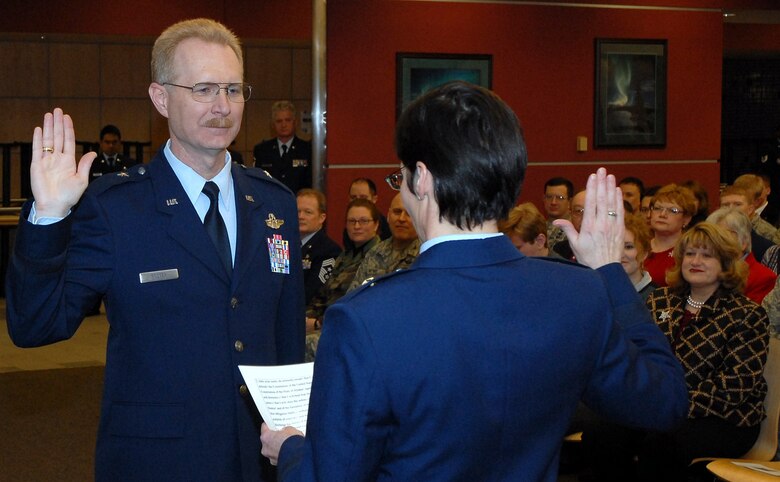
{"x": 103, "y": 80}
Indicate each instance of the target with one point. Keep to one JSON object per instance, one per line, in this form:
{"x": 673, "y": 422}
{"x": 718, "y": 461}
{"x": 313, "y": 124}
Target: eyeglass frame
{"x": 397, "y": 176}
{"x": 227, "y": 85}
{"x": 559, "y": 197}
{"x": 661, "y": 209}
{"x": 359, "y": 222}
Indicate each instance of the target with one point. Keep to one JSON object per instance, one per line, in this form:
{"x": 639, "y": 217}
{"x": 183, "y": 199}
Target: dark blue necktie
{"x": 284, "y": 150}
{"x": 215, "y": 226}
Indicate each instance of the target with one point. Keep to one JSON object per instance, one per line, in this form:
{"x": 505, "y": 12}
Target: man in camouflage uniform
{"x": 771, "y": 304}
{"x": 397, "y": 252}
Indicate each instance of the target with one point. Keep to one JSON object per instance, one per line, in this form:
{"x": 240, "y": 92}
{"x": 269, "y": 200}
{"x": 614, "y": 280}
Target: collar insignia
{"x": 171, "y": 202}
{"x": 249, "y": 198}
{"x": 123, "y": 174}
{"x": 272, "y": 222}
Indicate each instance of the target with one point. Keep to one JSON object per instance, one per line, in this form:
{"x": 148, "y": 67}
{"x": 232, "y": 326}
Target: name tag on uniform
{"x": 162, "y": 275}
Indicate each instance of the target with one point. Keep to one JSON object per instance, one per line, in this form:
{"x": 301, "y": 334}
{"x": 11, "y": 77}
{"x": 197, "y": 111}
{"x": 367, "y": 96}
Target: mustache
{"x": 224, "y": 122}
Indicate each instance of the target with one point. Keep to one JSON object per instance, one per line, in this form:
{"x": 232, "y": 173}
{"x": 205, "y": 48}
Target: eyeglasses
{"x": 207, "y": 92}
{"x": 395, "y": 179}
{"x": 559, "y": 197}
{"x": 661, "y": 209}
{"x": 359, "y": 222}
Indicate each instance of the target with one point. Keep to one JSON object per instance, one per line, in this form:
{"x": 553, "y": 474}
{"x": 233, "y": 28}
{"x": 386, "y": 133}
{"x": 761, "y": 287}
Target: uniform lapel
{"x": 185, "y": 227}
{"x": 250, "y": 230}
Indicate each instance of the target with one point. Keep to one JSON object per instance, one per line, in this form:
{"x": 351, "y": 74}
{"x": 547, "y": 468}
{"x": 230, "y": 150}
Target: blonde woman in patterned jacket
{"x": 720, "y": 338}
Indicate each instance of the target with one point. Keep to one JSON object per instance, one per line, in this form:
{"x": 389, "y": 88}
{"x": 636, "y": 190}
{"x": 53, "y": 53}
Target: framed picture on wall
{"x": 417, "y": 73}
{"x": 630, "y": 108}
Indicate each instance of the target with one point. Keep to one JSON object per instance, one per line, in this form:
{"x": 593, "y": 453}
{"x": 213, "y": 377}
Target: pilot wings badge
{"x": 272, "y": 222}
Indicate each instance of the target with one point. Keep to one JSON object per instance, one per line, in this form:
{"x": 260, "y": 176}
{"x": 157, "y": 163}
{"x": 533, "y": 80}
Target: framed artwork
{"x": 630, "y": 108}
{"x": 417, "y": 73}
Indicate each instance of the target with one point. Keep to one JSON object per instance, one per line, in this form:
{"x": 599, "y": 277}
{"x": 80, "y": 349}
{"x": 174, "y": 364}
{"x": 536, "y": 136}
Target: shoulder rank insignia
{"x": 272, "y": 222}
{"x": 123, "y": 174}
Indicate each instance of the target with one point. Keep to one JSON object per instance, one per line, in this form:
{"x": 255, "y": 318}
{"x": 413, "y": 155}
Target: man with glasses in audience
{"x": 557, "y": 194}
{"x": 633, "y": 189}
{"x": 469, "y": 364}
{"x": 577, "y": 209}
{"x": 199, "y": 261}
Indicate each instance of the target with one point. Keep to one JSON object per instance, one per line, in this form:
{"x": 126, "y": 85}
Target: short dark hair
{"x": 371, "y": 184}
{"x": 110, "y": 129}
{"x": 636, "y": 182}
{"x": 472, "y": 144}
{"x": 561, "y": 181}
{"x": 364, "y": 203}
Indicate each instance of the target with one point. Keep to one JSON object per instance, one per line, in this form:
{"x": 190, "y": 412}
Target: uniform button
{"x": 233, "y": 302}
{"x": 243, "y": 390}
{"x": 239, "y": 346}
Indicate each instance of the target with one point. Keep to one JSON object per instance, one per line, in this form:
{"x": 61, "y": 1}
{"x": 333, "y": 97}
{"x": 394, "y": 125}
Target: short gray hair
{"x": 736, "y": 221}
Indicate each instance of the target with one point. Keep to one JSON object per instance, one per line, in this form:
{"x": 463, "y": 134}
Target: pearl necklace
{"x": 695, "y": 304}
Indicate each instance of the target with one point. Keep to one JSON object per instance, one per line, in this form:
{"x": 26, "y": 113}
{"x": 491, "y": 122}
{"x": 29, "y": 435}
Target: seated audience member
{"x": 110, "y": 158}
{"x": 702, "y": 201}
{"x": 720, "y": 337}
{"x": 771, "y": 304}
{"x": 526, "y": 228}
{"x": 633, "y": 191}
{"x": 468, "y": 365}
{"x": 562, "y": 248}
{"x": 557, "y": 196}
{"x": 637, "y": 245}
{"x": 647, "y": 202}
{"x": 771, "y": 258}
{"x": 761, "y": 279}
{"x": 767, "y": 211}
{"x": 737, "y": 197}
{"x": 361, "y": 219}
{"x": 673, "y": 207}
{"x": 397, "y": 252}
{"x": 754, "y": 187}
{"x": 364, "y": 188}
{"x": 318, "y": 251}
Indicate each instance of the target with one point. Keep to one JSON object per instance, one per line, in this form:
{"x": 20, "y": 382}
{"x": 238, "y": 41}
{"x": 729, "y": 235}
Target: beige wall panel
{"x": 74, "y": 70}
{"x": 301, "y": 74}
{"x": 303, "y": 106}
{"x": 257, "y": 125}
{"x": 130, "y": 115}
{"x": 24, "y": 71}
{"x": 124, "y": 70}
{"x": 20, "y": 117}
{"x": 269, "y": 71}
{"x": 86, "y": 117}
{"x": 159, "y": 126}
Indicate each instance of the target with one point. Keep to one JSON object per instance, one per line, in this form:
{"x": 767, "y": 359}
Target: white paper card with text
{"x": 281, "y": 393}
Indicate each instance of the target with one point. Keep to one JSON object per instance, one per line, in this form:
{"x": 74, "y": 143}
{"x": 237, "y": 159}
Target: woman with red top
{"x": 671, "y": 212}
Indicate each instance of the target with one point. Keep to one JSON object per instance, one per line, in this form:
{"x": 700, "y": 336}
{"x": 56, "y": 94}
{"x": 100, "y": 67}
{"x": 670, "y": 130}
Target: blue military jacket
{"x": 173, "y": 407}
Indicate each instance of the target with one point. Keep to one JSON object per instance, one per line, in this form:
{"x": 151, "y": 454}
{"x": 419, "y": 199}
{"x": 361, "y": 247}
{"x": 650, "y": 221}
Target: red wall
{"x": 543, "y": 67}
{"x": 261, "y": 19}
